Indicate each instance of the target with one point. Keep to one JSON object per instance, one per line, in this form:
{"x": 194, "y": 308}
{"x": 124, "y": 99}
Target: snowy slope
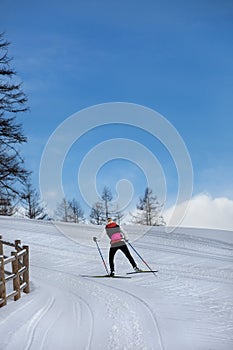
{"x": 189, "y": 305}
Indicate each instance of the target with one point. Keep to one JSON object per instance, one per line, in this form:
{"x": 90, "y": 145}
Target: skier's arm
{"x": 124, "y": 234}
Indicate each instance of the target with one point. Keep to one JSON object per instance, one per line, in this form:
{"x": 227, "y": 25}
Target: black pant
{"x": 125, "y": 250}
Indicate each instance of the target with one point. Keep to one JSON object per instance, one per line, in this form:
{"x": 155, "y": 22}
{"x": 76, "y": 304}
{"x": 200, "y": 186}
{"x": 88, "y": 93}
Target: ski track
{"x": 79, "y": 320}
{"x": 111, "y": 300}
{"x": 35, "y": 321}
{"x": 187, "y": 245}
{"x": 191, "y": 239}
{"x": 46, "y": 321}
{"x": 30, "y": 326}
{"x": 190, "y": 252}
{"x": 84, "y": 319}
{"x": 148, "y": 308}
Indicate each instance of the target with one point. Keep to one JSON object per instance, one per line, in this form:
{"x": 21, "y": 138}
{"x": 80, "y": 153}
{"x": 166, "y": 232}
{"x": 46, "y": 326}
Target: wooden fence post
{"x": 1, "y": 246}
{"x": 17, "y": 243}
{"x": 26, "y": 273}
{"x": 16, "y": 280}
{"x": 2, "y": 282}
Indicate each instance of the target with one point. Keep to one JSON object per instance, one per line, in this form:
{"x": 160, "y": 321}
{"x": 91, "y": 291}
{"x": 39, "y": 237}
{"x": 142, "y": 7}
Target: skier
{"x": 118, "y": 237}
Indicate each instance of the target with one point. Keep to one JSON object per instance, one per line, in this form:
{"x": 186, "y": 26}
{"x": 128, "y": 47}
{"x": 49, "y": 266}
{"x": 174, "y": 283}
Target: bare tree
{"x": 148, "y": 210}
{"x": 63, "y": 210}
{"x": 32, "y": 203}
{"x": 118, "y": 214}
{"x": 12, "y": 101}
{"x": 101, "y": 210}
{"x": 97, "y": 215}
{"x": 76, "y": 213}
{"x": 70, "y": 211}
{"x": 106, "y": 198}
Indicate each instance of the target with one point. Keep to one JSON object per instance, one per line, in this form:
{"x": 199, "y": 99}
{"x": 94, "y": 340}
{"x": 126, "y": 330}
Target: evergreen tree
{"x": 12, "y": 101}
{"x": 148, "y": 210}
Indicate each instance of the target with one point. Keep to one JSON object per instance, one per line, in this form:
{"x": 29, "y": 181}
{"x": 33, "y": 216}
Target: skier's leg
{"x": 112, "y": 252}
{"x": 126, "y": 251}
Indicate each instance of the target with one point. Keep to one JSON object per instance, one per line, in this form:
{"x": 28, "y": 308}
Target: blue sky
{"x": 174, "y": 57}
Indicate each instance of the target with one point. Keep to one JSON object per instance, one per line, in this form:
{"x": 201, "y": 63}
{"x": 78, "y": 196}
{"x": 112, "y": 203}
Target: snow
{"x": 189, "y": 305}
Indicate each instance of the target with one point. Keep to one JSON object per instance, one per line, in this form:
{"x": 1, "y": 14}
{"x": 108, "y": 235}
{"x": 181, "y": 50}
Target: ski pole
{"x": 102, "y": 257}
{"x": 142, "y": 258}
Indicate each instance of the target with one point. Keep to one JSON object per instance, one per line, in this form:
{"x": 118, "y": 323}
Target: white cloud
{"x": 205, "y": 212}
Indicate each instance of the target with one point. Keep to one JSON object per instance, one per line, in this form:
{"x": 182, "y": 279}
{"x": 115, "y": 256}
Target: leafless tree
{"x": 32, "y": 203}
{"x": 148, "y": 210}
{"x": 106, "y": 198}
{"x": 70, "y": 211}
{"x": 75, "y": 212}
{"x": 97, "y": 215}
{"x": 63, "y": 210}
{"x": 6, "y": 207}
{"x": 118, "y": 214}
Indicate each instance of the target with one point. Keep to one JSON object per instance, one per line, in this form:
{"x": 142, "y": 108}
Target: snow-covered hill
{"x": 189, "y": 305}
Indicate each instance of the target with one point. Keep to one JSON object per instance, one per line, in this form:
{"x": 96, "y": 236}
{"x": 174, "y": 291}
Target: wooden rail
{"x": 19, "y": 273}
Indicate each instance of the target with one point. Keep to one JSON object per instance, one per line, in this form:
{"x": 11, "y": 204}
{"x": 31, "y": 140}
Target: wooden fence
{"x": 18, "y": 274}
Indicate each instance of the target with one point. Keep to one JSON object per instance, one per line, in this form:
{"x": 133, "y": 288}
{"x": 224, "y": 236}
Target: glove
{"x": 95, "y": 239}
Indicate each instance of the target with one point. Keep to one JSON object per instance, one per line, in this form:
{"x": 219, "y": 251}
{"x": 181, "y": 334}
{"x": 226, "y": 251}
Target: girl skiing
{"x": 118, "y": 237}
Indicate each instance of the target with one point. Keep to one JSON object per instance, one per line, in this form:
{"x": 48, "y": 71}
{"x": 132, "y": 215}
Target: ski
{"x": 141, "y": 271}
{"x": 104, "y": 276}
